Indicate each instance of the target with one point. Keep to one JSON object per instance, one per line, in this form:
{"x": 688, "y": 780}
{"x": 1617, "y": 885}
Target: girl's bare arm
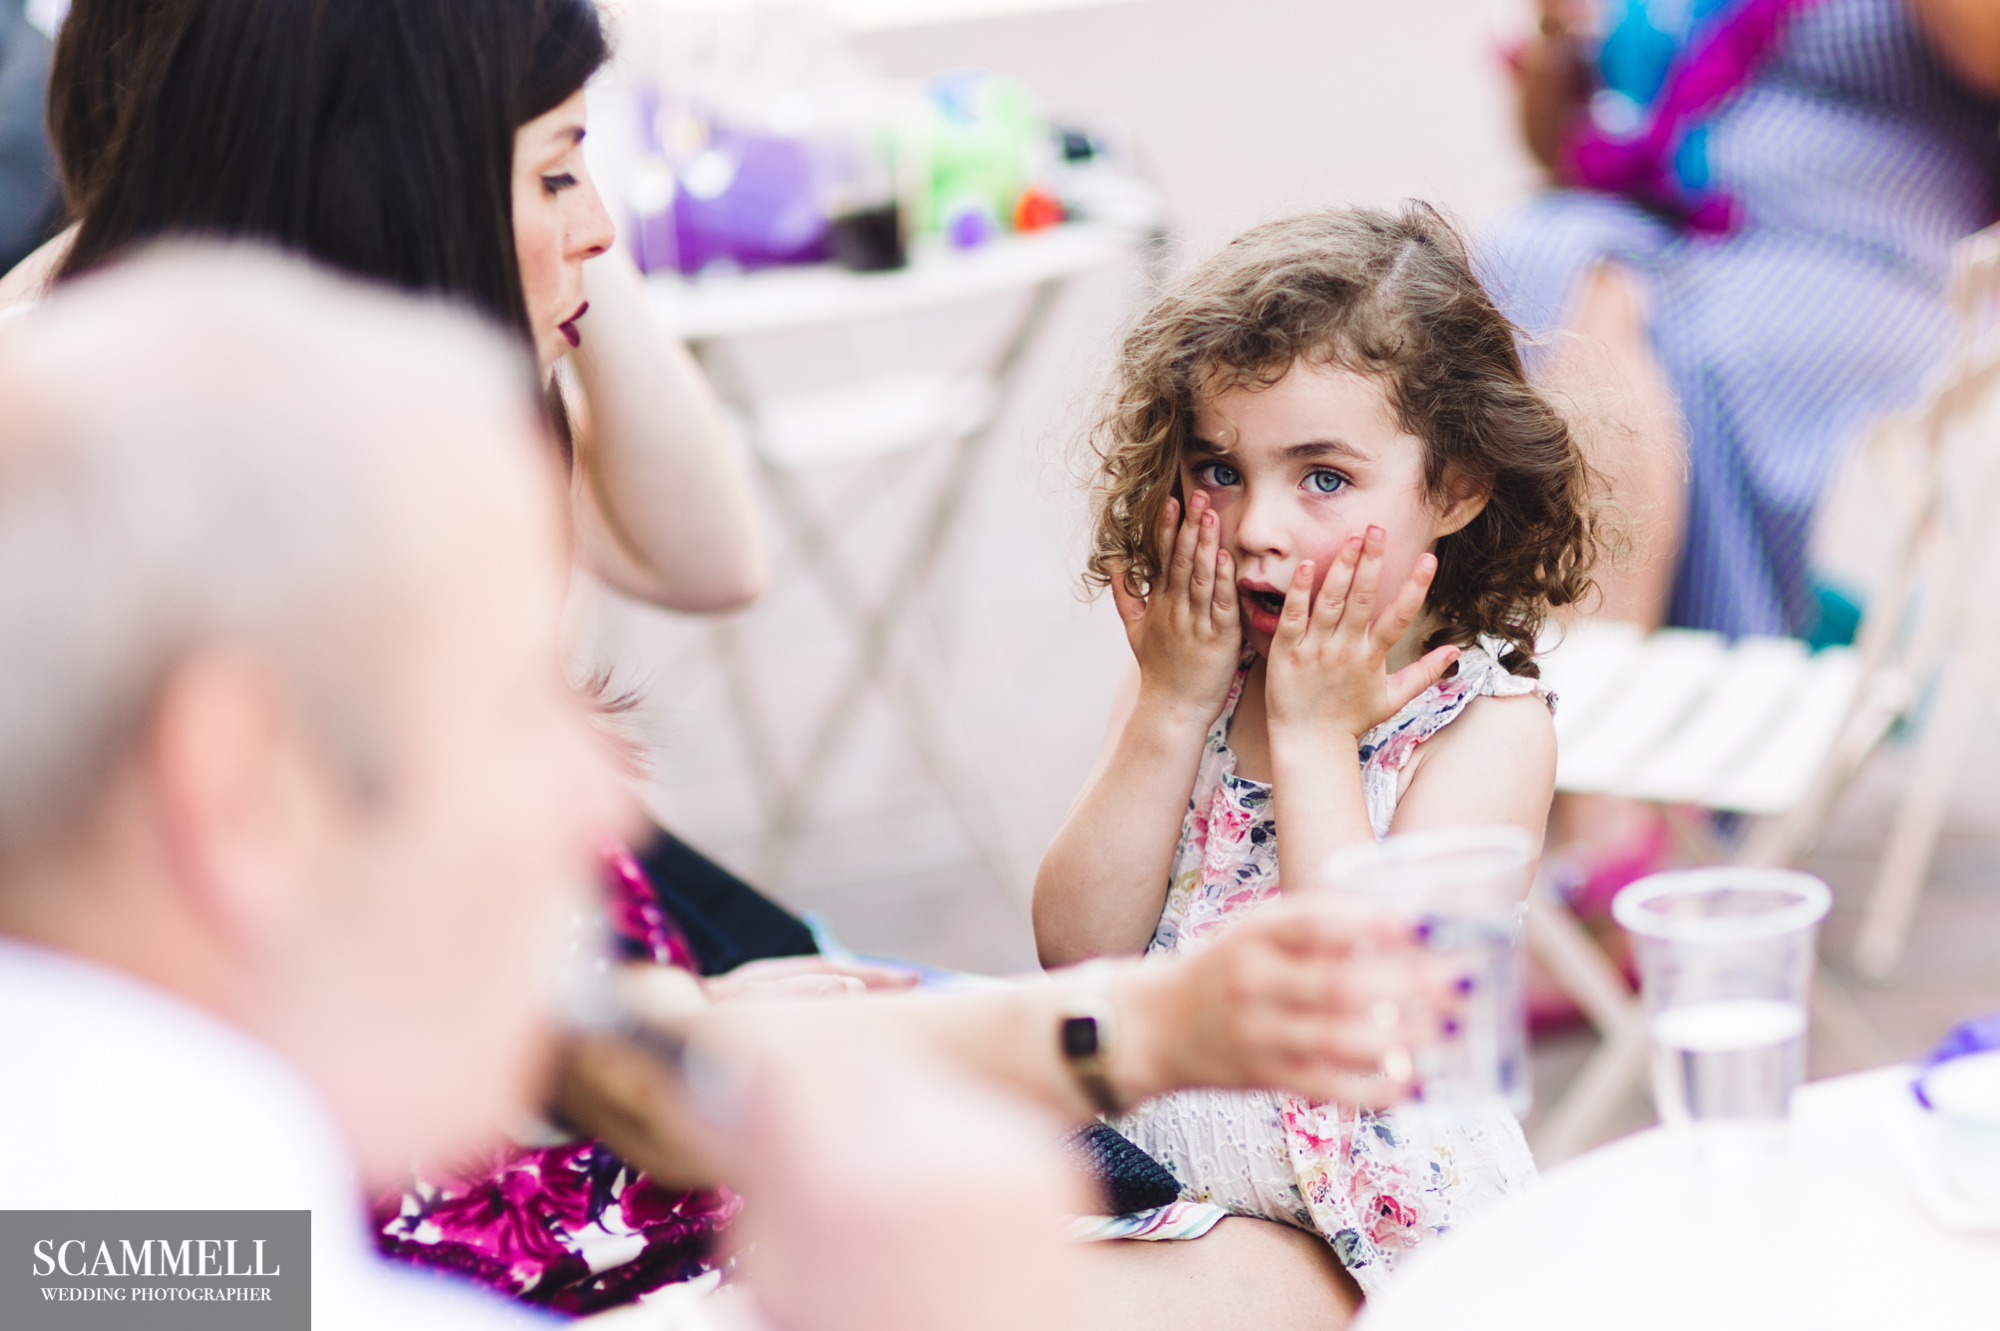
{"x": 1327, "y": 685}
{"x": 1104, "y": 878}
{"x": 664, "y": 510}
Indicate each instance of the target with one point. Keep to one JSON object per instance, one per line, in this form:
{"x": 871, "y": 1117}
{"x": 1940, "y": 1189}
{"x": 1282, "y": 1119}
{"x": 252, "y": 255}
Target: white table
{"x": 1630, "y": 1237}
{"x": 883, "y": 414}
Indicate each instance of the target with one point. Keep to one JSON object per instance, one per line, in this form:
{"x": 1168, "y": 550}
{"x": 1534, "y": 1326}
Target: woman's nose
{"x": 592, "y": 233}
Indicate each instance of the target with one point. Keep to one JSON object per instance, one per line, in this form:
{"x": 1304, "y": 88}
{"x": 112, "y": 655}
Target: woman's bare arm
{"x": 665, "y": 512}
{"x": 1966, "y": 35}
{"x": 29, "y": 279}
{"x": 1284, "y": 999}
{"x": 1552, "y": 81}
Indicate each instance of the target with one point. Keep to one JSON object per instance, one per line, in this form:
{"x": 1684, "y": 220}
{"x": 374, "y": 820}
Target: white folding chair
{"x": 1765, "y": 728}
{"x": 882, "y": 416}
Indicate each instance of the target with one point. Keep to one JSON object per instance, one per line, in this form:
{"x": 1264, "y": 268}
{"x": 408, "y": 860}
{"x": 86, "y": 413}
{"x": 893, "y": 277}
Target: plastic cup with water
{"x": 1725, "y": 961}
{"x": 1466, "y": 886}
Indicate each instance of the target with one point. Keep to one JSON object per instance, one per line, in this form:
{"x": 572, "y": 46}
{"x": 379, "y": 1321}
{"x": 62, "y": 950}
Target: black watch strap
{"x": 1086, "y": 1036}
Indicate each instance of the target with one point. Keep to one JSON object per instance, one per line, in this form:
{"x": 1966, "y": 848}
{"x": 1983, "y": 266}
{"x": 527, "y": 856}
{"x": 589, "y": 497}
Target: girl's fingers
{"x": 1409, "y": 603}
{"x": 1359, "y": 612}
{"x": 1131, "y": 605}
{"x": 1222, "y": 610}
{"x": 1170, "y": 523}
{"x": 1208, "y": 539}
{"x": 1420, "y": 674}
{"x": 1335, "y": 591}
{"x": 1181, "y": 571}
{"x": 1298, "y": 605}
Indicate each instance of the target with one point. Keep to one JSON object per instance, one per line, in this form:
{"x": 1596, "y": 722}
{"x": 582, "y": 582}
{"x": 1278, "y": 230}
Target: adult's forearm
{"x": 676, "y": 505}
{"x": 1966, "y": 35}
{"x": 1103, "y": 880}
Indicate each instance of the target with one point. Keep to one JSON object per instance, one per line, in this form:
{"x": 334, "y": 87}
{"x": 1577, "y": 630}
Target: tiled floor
{"x": 1367, "y": 104}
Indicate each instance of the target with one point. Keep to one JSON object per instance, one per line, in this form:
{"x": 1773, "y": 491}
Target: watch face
{"x": 1079, "y": 1037}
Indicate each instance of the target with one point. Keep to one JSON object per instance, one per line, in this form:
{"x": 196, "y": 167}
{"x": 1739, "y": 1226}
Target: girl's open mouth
{"x": 1271, "y": 602}
{"x": 568, "y": 326}
{"x": 1261, "y": 608}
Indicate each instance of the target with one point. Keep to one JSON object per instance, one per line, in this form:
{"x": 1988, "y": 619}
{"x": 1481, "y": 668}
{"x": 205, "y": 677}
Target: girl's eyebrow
{"x": 1205, "y": 447}
{"x": 1320, "y": 448}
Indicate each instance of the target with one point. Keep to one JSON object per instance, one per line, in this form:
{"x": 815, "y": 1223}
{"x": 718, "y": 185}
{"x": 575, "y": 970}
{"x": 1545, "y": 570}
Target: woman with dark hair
{"x": 436, "y": 145}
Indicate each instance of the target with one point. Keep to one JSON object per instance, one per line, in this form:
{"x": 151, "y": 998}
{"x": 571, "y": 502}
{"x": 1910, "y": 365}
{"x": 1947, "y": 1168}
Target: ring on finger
{"x": 1398, "y": 1067}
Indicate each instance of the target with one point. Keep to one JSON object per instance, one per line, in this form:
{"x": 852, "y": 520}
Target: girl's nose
{"x": 1260, "y": 529}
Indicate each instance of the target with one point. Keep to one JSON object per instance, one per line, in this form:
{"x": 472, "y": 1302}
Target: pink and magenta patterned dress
{"x": 1374, "y": 1185}
{"x": 571, "y": 1228}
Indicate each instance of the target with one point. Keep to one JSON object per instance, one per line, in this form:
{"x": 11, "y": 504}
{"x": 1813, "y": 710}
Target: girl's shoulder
{"x": 1446, "y": 704}
{"x": 1486, "y": 754}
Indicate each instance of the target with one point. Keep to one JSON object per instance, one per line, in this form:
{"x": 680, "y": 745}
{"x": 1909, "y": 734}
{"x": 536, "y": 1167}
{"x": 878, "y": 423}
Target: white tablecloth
{"x": 1631, "y": 1236}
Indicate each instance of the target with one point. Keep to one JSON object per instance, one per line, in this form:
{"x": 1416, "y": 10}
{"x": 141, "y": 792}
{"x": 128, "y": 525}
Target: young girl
{"x": 1333, "y": 514}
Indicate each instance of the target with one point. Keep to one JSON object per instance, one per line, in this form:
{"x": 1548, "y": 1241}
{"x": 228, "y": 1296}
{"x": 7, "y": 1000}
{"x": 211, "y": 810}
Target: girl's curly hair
{"x": 1390, "y": 295}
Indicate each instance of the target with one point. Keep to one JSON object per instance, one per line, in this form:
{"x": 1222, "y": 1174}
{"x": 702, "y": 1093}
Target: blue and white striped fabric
{"x": 1858, "y": 160}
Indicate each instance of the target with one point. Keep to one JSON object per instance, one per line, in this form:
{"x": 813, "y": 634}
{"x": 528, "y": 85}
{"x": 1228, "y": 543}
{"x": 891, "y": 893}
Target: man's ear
{"x": 1464, "y": 501}
{"x": 233, "y": 791}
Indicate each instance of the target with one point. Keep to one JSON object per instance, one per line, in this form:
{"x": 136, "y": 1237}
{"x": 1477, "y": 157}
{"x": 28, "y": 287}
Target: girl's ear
{"x": 1464, "y": 501}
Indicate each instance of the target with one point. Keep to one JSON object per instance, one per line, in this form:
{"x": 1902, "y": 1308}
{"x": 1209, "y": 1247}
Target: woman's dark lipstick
{"x": 568, "y": 326}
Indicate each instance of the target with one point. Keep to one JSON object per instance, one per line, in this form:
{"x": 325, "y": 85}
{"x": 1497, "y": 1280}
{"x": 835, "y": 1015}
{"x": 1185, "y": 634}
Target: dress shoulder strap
{"x": 1388, "y": 748}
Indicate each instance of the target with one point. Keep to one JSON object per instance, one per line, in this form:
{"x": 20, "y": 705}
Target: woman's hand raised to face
{"x": 1184, "y": 631}
{"x": 1315, "y": 996}
{"x": 1328, "y": 674}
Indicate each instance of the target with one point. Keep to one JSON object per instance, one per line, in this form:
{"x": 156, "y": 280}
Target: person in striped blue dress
{"x": 1758, "y": 204}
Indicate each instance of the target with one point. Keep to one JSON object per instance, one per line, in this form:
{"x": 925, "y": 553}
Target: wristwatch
{"x": 1087, "y": 1035}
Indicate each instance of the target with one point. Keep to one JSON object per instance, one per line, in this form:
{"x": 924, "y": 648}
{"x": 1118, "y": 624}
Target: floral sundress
{"x": 1373, "y": 1184}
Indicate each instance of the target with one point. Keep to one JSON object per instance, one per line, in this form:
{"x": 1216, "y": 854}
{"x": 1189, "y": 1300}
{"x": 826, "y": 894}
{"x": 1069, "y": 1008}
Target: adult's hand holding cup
{"x": 1462, "y": 890}
{"x": 1293, "y": 997}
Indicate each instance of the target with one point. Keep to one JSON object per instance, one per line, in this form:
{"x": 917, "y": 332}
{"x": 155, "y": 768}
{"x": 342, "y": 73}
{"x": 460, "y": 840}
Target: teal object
{"x": 1839, "y": 615}
{"x": 1636, "y": 53}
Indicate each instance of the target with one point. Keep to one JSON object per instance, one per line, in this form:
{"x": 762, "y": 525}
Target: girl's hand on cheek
{"x": 1328, "y": 673}
{"x": 1184, "y": 631}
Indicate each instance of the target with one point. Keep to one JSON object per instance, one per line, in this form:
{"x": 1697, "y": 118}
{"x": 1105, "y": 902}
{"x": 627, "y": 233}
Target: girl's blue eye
{"x": 1218, "y": 473}
{"x": 1326, "y": 482}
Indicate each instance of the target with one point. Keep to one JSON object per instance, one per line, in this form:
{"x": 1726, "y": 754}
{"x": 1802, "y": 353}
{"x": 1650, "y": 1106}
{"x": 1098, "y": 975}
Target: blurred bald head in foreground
{"x": 285, "y": 748}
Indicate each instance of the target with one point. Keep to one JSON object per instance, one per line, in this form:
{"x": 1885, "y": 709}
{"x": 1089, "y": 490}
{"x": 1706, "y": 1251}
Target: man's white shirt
{"x": 115, "y": 1095}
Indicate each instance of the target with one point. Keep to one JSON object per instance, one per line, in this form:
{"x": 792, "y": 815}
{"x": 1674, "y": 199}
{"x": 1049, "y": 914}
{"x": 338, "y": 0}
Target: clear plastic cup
{"x": 1467, "y": 886}
{"x": 1725, "y": 961}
